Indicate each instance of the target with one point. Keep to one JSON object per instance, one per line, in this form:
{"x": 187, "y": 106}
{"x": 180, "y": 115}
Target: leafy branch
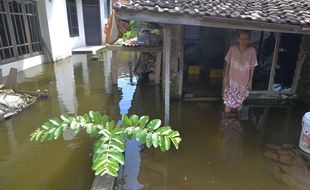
{"x": 110, "y": 138}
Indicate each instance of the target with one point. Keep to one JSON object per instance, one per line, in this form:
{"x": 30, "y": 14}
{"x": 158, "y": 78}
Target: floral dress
{"x": 239, "y": 67}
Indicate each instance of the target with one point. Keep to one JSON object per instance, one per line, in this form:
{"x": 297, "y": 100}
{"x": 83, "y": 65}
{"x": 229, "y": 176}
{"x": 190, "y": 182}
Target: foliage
{"x": 132, "y": 32}
{"x": 110, "y": 138}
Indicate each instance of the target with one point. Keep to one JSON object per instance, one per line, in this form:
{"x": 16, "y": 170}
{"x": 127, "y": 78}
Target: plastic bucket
{"x": 304, "y": 141}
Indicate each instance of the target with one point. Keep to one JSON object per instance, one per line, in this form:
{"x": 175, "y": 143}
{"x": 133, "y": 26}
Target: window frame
{"x": 11, "y": 32}
{"x": 72, "y": 15}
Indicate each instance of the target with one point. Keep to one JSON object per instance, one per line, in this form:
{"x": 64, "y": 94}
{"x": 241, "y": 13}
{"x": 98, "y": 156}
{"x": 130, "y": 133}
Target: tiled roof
{"x": 292, "y": 12}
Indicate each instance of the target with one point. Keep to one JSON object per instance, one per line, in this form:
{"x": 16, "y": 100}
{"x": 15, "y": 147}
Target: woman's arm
{"x": 249, "y": 85}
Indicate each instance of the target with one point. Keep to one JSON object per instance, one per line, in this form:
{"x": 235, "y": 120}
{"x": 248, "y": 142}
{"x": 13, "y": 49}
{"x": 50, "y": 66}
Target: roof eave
{"x": 185, "y": 19}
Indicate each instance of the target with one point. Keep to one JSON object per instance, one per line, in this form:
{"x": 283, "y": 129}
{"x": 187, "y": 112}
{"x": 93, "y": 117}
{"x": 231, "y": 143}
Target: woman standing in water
{"x": 238, "y": 72}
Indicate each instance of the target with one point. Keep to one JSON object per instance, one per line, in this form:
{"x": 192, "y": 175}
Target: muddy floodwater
{"x": 216, "y": 152}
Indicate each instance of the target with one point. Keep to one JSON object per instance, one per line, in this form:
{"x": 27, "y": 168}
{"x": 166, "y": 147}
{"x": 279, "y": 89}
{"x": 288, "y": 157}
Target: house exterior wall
{"x": 61, "y": 44}
{"x": 56, "y": 40}
{"x": 22, "y": 64}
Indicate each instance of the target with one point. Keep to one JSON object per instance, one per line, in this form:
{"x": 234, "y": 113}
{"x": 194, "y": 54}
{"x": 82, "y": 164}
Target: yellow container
{"x": 216, "y": 73}
{"x": 193, "y": 70}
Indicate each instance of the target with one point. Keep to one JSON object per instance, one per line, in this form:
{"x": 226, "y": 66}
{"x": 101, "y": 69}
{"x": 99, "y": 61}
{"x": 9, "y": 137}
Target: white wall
{"x": 22, "y": 64}
{"x": 103, "y": 9}
{"x": 61, "y": 44}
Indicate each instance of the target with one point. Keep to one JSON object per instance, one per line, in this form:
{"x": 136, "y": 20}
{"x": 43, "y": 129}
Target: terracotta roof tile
{"x": 295, "y": 12}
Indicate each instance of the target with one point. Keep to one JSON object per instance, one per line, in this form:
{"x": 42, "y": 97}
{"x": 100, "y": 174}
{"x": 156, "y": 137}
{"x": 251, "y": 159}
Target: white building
{"x": 35, "y": 31}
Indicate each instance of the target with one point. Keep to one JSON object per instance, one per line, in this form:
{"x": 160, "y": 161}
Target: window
{"x": 19, "y": 30}
{"x": 72, "y": 18}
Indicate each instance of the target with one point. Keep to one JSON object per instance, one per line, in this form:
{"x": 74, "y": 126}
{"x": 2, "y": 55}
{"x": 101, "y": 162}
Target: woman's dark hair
{"x": 248, "y": 32}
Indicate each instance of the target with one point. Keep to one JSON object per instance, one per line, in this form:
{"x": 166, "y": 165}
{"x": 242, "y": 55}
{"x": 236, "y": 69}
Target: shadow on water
{"x": 216, "y": 152}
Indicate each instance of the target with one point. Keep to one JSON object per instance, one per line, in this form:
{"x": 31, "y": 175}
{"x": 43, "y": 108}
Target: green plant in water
{"x": 110, "y": 138}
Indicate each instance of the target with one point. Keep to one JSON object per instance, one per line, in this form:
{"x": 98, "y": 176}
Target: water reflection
{"x": 232, "y": 135}
{"x": 65, "y": 83}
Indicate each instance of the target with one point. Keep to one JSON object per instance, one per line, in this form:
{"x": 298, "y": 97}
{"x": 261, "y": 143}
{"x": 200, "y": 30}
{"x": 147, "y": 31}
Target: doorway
{"x": 204, "y": 52}
{"x": 92, "y": 24}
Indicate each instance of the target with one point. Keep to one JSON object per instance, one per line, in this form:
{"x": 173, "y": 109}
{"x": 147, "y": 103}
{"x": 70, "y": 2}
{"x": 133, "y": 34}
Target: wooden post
{"x": 114, "y": 67}
{"x": 11, "y": 81}
{"x": 157, "y": 67}
{"x": 181, "y": 59}
{"x": 274, "y": 62}
{"x": 1, "y": 78}
{"x": 300, "y": 61}
{"x": 167, "y": 46}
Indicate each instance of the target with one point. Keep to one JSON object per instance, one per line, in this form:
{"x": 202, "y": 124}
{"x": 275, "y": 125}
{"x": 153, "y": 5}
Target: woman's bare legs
{"x": 227, "y": 109}
{"x": 239, "y": 108}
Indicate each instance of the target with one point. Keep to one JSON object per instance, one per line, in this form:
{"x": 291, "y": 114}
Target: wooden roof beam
{"x": 207, "y": 21}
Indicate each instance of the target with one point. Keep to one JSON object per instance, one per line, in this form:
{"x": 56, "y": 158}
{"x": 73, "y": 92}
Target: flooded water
{"x": 216, "y": 152}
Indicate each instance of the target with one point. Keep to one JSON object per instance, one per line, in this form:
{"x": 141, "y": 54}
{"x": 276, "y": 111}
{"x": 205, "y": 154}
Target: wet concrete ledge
{"x": 105, "y": 182}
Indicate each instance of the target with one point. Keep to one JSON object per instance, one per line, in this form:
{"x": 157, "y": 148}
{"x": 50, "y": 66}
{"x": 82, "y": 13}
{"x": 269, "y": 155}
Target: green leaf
{"x": 55, "y": 121}
{"x": 57, "y": 132}
{"x": 113, "y": 164}
{"x": 74, "y": 125}
{"x": 155, "y": 139}
{"x": 143, "y": 121}
{"x": 103, "y": 119}
{"x": 98, "y": 163}
{"x": 117, "y": 146}
{"x": 65, "y": 117}
{"x": 126, "y": 121}
{"x": 154, "y": 124}
{"x": 134, "y": 120}
{"x": 86, "y": 118}
{"x": 52, "y": 130}
{"x": 110, "y": 125}
{"x": 118, "y": 156}
{"x": 119, "y": 138}
{"x": 174, "y": 134}
{"x": 100, "y": 169}
{"x": 39, "y": 135}
{"x": 105, "y": 132}
{"x": 129, "y": 130}
{"x": 89, "y": 128}
{"x": 149, "y": 139}
{"x": 161, "y": 142}
{"x": 43, "y": 136}
{"x": 167, "y": 143}
{"x": 166, "y": 130}
{"x": 112, "y": 171}
{"x": 33, "y": 136}
{"x": 141, "y": 135}
{"x": 92, "y": 114}
{"x": 47, "y": 125}
{"x": 176, "y": 141}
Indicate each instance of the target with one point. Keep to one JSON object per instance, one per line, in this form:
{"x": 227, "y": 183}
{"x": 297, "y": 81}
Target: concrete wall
{"x": 103, "y": 16}
{"x": 61, "y": 44}
{"x": 22, "y": 64}
{"x": 57, "y": 43}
